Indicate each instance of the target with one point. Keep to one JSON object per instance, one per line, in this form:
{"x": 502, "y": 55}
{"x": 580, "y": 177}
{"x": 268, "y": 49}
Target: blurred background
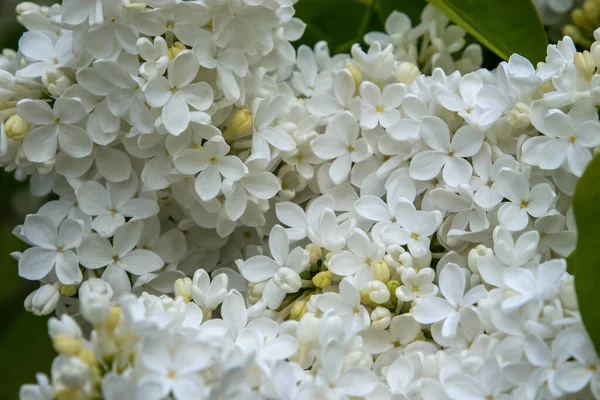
{"x": 24, "y": 343}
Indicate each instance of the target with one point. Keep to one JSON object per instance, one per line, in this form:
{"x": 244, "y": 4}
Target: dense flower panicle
{"x": 239, "y": 219}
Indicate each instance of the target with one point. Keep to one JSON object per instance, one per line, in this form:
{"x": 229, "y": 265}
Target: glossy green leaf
{"x": 504, "y": 26}
{"x": 586, "y": 204}
{"x": 344, "y": 22}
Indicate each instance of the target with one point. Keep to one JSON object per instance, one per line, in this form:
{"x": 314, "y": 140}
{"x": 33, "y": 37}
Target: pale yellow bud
{"x": 16, "y": 128}
{"x": 578, "y": 37}
{"x": 175, "y": 49}
{"x": 322, "y": 279}
{"x": 315, "y": 252}
{"x": 364, "y": 297}
{"x": 69, "y": 394}
{"x": 356, "y": 75}
{"x": 240, "y": 123}
{"x": 86, "y": 356}
{"x": 381, "y": 271}
{"x": 584, "y": 62}
{"x": 68, "y": 290}
{"x": 113, "y": 318}
{"x": 66, "y": 345}
{"x": 595, "y": 51}
{"x": 547, "y": 87}
{"x": 406, "y": 73}
{"x": 298, "y": 309}
{"x": 183, "y": 288}
{"x": 27, "y": 6}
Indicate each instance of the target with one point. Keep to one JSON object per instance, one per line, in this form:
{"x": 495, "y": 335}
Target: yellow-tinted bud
{"x": 381, "y": 271}
{"x": 113, "y": 318}
{"x": 365, "y": 298}
{"x": 66, "y": 345}
{"x": 322, "y": 279}
{"x": 547, "y": 87}
{"x": 315, "y": 252}
{"x": 578, "y": 37}
{"x": 16, "y": 127}
{"x": 580, "y": 20}
{"x": 392, "y": 286}
{"x": 406, "y": 73}
{"x": 175, "y": 50}
{"x": 183, "y": 289}
{"x": 356, "y": 75}
{"x": 69, "y": 394}
{"x": 298, "y": 309}
{"x": 585, "y": 64}
{"x": 240, "y": 123}
{"x": 86, "y": 356}
{"x": 68, "y": 290}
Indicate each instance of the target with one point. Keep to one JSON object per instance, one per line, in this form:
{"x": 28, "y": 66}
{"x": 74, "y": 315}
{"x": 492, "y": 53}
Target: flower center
{"x": 379, "y": 109}
{"x": 524, "y": 204}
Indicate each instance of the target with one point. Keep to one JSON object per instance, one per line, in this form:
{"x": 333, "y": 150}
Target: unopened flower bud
{"x": 57, "y": 82}
{"x": 94, "y": 307}
{"x": 378, "y": 292}
{"x": 16, "y": 128}
{"x": 287, "y": 279}
{"x": 298, "y": 309}
{"x": 585, "y": 65}
{"x": 475, "y": 255}
{"x": 43, "y": 300}
{"x": 240, "y": 123}
{"x": 406, "y": 73}
{"x": 381, "y": 318}
{"x": 95, "y": 296}
{"x": 392, "y": 286}
{"x": 381, "y": 272}
{"x": 177, "y": 48}
{"x": 183, "y": 289}
{"x": 68, "y": 290}
{"x": 567, "y": 295}
{"x": 322, "y": 279}
{"x": 595, "y": 52}
{"x": 113, "y": 319}
{"x": 27, "y": 6}
{"x": 255, "y": 290}
{"x": 356, "y": 75}
{"x": 518, "y": 117}
{"x": 71, "y": 374}
{"x": 66, "y": 345}
{"x": 315, "y": 252}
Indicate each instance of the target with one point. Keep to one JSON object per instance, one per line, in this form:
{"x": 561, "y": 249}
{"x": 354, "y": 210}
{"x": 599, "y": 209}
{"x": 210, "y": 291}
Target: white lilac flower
{"x": 238, "y": 219}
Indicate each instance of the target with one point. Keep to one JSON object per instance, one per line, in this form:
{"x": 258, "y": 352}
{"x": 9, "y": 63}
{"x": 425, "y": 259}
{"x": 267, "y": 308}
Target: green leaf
{"x": 586, "y": 204}
{"x": 344, "y": 22}
{"x": 572, "y": 262}
{"x": 504, "y": 26}
{"x": 26, "y": 349}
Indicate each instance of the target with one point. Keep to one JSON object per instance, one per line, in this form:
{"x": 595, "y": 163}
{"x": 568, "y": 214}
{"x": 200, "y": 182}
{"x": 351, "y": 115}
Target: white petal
{"x": 432, "y": 309}
{"x": 35, "y": 263}
{"x": 427, "y": 164}
{"x": 208, "y": 183}
{"x": 176, "y": 115}
{"x": 141, "y": 261}
{"x": 95, "y": 252}
{"x": 258, "y": 268}
{"x": 67, "y": 268}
